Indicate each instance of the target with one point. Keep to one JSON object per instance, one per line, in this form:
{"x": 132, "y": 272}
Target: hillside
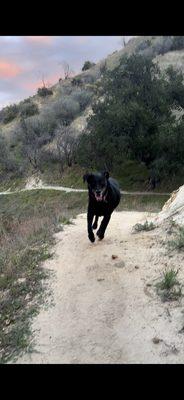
{"x": 70, "y": 101}
{"x": 140, "y": 45}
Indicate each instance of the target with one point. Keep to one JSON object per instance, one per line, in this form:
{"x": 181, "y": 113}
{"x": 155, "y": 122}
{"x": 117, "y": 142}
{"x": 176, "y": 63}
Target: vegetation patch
{"x": 178, "y": 241}
{"x": 28, "y": 221}
{"x": 147, "y": 226}
{"x": 152, "y": 203}
{"x": 169, "y": 287}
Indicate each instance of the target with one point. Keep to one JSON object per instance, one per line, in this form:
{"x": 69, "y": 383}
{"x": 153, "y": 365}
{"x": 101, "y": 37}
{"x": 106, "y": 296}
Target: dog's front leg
{"x": 89, "y": 221}
{"x": 103, "y": 226}
{"x": 95, "y": 224}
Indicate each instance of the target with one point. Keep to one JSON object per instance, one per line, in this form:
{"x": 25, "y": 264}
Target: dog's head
{"x": 97, "y": 184}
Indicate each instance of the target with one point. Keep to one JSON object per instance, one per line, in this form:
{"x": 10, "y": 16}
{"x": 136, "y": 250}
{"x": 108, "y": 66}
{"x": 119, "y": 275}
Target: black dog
{"x": 104, "y": 197}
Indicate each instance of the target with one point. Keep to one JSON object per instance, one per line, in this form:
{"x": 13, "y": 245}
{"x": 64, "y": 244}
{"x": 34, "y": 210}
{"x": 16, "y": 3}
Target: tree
{"x": 135, "y": 115}
{"x": 66, "y": 145}
{"x": 34, "y": 135}
{"x": 67, "y": 72}
{"x": 88, "y": 65}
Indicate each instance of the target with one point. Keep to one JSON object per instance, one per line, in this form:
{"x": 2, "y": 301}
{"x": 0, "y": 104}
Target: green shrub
{"x": 10, "y": 113}
{"x": 166, "y": 288}
{"x": 66, "y": 109}
{"x": 147, "y": 226}
{"x": 77, "y": 81}
{"x": 169, "y": 279}
{"x": 178, "y": 241}
{"x": 43, "y": 92}
{"x": 88, "y": 65}
{"x": 83, "y": 97}
{"x": 178, "y": 43}
{"x": 27, "y": 109}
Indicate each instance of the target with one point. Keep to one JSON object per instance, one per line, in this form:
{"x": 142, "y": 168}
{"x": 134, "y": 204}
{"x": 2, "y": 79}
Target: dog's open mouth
{"x": 99, "y": 197}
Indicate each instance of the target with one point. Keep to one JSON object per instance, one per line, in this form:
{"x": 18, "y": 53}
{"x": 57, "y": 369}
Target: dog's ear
{"x": 106, "y": 174}
{"x": 87, "y": 178}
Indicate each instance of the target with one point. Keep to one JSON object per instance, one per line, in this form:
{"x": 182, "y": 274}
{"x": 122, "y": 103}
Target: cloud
{"x": 9, "y": 69}
{"x": 24, "y": 59}
{"x": 40, "y": 39}
{"x": 48, "y": 79}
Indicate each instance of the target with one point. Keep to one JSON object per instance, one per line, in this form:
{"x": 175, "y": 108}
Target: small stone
{"x": 156, "y": 340}
{"x": 114, "y": 256}
{"x": 136, "y": 266}
{"x": 21, "y": 280}
{"x": 100, "y": 279}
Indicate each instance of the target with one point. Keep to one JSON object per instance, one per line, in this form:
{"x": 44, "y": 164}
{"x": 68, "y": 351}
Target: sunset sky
{"x": 23, "y": 60}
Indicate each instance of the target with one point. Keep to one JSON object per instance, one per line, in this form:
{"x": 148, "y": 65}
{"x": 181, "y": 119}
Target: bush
{"x": 83, "y": 97}
{"x": 178, "y": 43}
{"x": 27, "y": 109}
{"x": 77, "y": 81}
{"x": 143, "y": 45}
{"x": 147, "y": 226}
{"x": 10, "y": 113}
{"x": 34, "y": 134}
{"x": 7, "y": 163}
{"x": 66, "y": 109}
{"x": 43, "y": 92}
{"x": 160, "y": 45}
{"x": 88, "y": 65}
{"x": 91, "y": 76}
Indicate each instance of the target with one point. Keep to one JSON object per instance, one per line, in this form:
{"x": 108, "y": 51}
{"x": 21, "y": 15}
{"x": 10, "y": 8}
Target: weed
{"x": 166, "y": 288}
{"x": 178, "y": 241}
{"x": 169, "y": 279}
{"x": 147, "y": 226}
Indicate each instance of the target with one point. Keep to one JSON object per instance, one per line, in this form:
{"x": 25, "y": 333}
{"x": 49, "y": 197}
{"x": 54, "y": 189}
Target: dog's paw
{"x": 94, "y": 226}
{"x": 100, "y": 235}
{"x": 91, "y": 238}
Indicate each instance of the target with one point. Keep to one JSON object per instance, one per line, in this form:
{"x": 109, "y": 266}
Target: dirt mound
{"x": 173, "y": 209}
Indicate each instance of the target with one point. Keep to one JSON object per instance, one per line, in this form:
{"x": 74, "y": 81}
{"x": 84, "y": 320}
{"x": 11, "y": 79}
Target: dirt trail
{"x": 103, "y": 310}
{"x": 34, "y": 183}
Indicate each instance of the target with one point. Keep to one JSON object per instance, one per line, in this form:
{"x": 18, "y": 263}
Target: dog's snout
{"x": 98, "y": 191}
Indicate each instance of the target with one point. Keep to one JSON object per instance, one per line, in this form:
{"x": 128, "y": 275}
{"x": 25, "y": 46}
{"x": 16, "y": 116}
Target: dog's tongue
{"x": 98, "y": 198}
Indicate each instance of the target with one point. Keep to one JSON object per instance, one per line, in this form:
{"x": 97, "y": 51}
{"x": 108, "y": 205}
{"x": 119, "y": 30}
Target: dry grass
{"x": 27, "y": 223}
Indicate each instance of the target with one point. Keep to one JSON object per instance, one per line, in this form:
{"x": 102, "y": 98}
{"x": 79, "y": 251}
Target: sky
{"x": 24, "y": 60}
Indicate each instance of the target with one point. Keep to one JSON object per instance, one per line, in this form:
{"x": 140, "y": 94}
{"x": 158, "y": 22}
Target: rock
{"x": 173, "y": 209}
{"x": 156, "y": 340}
{"x": 114, "y": 256}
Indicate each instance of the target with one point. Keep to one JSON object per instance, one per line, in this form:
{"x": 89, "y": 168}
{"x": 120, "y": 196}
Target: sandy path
{"x": 103, "y": 311}
{"x": 34, "y": 183}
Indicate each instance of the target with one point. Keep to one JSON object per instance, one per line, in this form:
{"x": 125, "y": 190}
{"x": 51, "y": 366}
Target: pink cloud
{"x": 33, "y": 86}
{"x": 40, "y": 39}
{"x": 9, "y": 69}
